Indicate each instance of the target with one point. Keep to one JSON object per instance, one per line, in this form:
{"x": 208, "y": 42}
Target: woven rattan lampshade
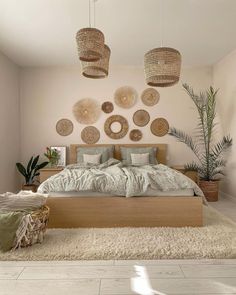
{"x": 97, "y": 69}
{"x": 90, "y": 42}
{"x": 162, "y": 66}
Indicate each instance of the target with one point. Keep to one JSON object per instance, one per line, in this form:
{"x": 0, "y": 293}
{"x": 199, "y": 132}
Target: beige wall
{"x": 9, "y": 125}
{"x": 48, "y": 94}
{"x": 225, "y": 79}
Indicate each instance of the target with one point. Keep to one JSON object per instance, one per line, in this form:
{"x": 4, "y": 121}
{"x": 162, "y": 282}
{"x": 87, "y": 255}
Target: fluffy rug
{"x": 217, "y": 239}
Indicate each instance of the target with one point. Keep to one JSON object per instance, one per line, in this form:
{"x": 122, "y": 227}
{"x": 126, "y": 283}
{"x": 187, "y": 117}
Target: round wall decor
{"x": 160, "y": 127}
{"x": 141, "y": 118}
{"x": 90, "y": 135}
{"x": 64, "y": 127}
{"x": 86, "y": 111}
{"x": 116, "y": 119}
{"x": 135, "y": 135}
{"x": 125, "y": 97}
{"x": 150, "y": 97}
{"x": 107, "y": 107}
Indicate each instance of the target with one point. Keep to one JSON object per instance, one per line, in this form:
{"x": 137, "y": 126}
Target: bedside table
{"x": 191, "y": 174}
{"x": 47, "y": 172}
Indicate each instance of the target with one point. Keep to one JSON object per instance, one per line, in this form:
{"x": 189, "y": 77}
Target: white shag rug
{"x": 217, "y": 239}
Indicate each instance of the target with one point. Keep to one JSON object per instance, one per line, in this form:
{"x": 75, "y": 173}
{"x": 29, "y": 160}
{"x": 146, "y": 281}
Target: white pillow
{"x": 140, "y": 159}
{"x": 92, "y": 159}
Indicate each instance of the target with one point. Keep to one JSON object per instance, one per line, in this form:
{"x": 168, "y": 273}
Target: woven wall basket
{"x": 87, "y": 111}
{"x": 160, "y": 127}
{"x": 150, "y": 97}
{"x": 90, "y": 42}
{"x": 90, "y": 135}
{"x": 64, "y": 127}
{"x": 162, "y": 66}
{"x": 107, "y": 107}
{"x": 123, "y": 130}
{"x": 141, "y": 118}
{"x": 135, "y": 135}
{"x": 97, "y": 69}
{"x": 125, "y": 97}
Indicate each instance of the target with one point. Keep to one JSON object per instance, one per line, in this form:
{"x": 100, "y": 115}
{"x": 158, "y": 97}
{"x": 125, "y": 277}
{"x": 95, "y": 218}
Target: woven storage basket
{"x": 97, "y": 69}
{"x": 38, "y": 227}
{"x": 210, "y": 189}
{"x": 162, "y": 66}
{"x": 90, "y": 42}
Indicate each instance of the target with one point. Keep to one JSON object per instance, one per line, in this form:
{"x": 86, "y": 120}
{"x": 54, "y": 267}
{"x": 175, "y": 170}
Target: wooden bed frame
{"x": 72, "y": 212}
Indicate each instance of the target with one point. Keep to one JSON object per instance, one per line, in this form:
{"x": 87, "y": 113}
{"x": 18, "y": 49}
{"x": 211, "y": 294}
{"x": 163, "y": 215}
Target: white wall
{"x": 9, "y": 125}
{"x": 225, "y": 79}
{"x": 48, "y": 94}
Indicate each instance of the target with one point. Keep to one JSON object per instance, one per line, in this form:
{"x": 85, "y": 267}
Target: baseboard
{"x": 227, "y": 196}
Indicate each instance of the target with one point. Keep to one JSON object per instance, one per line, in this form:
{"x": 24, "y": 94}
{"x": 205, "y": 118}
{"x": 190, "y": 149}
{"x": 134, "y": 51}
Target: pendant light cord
{"x": 94, "y": 13}
{"x": 161, "y": 21}
{"x": 89, "y": 13}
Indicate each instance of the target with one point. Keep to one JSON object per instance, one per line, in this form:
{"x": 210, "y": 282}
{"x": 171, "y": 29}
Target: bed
{"x": 117, "y": 211}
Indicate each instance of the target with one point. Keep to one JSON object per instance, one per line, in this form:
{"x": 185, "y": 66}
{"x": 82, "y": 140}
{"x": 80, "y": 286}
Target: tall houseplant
{"x": 210, "y": 155}
{"x": 30, "y": 172}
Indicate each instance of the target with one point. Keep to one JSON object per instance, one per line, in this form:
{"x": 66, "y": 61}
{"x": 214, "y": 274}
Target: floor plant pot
{"x": 210, "y": 189}
{"x": 29, "y": 187}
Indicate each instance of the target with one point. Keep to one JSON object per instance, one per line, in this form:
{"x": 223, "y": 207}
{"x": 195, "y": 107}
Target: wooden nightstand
{"x": 191, "y": 174}
{"x": 47, "y": 172}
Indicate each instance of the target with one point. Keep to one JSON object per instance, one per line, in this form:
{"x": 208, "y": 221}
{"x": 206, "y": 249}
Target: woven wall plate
{"x": 90, "y": 135}
{"x": 64, "y": 127}
{"x": 125, "y": 97}
{"x": 107, "y": 107}
{"x": 141, "y": 118}
{"x": 160, "y": 127}
{"x": 150, "y": 97}
{"x": 123, "y": 130}
{"x": 87, "y": 111}
{"x": 135, "y": 135}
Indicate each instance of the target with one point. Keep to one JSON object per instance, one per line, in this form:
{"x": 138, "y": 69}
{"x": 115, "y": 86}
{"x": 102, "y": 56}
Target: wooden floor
{"x": 115, "y": 277}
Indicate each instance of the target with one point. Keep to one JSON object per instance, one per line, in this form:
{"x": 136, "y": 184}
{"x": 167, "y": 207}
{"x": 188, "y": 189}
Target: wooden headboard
{"x": 161, "y": 150}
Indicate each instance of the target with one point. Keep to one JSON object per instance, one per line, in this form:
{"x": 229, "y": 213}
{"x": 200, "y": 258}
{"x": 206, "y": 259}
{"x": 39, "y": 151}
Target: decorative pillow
{"x": 127, "y": 151}
{"x": 140, "y": 159}
{"x": 106, "y": 152}
{"x": 92, "y": 159}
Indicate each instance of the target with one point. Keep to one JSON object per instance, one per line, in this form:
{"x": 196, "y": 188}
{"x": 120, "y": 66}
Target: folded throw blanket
{"x": 24, "y": 200}
{"x": 15, "y": 217}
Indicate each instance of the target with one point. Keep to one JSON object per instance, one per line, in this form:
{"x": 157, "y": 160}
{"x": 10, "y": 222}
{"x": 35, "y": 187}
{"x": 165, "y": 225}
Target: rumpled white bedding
{"x": 114, "y": 178}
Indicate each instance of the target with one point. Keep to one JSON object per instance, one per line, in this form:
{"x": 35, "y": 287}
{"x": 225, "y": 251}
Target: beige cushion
{"x": 92, "y": 159}
{"x": 140, "y": 159}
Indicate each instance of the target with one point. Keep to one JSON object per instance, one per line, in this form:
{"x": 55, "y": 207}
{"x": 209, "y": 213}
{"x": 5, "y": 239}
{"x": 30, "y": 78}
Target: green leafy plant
{"x": 31, "y": 170}
{"x": 211, "y": 162}
{"x": 52, "y": 155}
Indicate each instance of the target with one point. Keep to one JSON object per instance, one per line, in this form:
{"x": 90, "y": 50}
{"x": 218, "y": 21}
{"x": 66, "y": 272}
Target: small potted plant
{"x": 210, "y": 155}
{"x": 30, "y": 172}
{"x": 53, "y": 156}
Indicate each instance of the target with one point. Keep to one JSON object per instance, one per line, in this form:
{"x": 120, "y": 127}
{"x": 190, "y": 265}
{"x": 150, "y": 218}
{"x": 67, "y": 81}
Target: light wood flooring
{"x": 110, "y": 277}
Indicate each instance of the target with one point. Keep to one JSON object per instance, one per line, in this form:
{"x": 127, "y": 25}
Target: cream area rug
{"x": 217, "y": 239}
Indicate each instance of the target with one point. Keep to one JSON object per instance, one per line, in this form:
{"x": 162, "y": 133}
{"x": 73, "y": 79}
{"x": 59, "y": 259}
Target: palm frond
{"x": 185, "y": 138}
{"x": 221, "y": 147}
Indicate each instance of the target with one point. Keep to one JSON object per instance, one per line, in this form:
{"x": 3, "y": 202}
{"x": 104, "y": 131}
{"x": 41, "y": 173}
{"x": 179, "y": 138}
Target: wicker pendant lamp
{"x": 98, "y": 69}
{"x": 162, "y": 65}
{"x": 90, "y": 41}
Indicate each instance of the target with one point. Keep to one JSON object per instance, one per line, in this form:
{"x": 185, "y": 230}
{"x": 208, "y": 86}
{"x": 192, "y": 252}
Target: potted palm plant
{"x": 210, "y": 155}
{"x": 30, "y": 172}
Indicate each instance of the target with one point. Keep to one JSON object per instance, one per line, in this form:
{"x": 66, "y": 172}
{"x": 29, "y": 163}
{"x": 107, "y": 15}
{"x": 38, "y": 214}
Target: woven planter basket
{"x": 37, "y": 230}
{"x": 162, "y": 66}
{"x": 210, "y": 189}
{"x": 97, "y": 69}
{"x": 90, "y": 42}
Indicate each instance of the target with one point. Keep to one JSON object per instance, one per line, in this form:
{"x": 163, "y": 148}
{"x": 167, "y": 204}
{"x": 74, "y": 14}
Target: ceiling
{"x": 42, "y": 32}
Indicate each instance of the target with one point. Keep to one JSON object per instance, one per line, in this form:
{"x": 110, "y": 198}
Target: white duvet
{"x": 114, "y": 178}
